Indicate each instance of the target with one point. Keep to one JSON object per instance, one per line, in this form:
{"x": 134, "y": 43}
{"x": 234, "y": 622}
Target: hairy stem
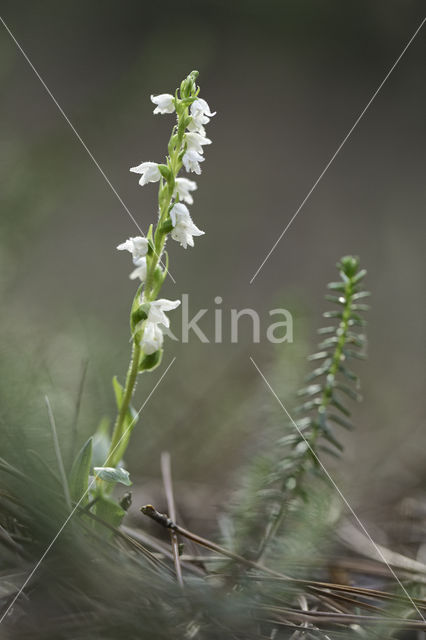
{"x": 114, "y": 454}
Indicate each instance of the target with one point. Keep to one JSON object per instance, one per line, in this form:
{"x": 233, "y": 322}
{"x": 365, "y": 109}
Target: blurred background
{"x": 288, "y": 79}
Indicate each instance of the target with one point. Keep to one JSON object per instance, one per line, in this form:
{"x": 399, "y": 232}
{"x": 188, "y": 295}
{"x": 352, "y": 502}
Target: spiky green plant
{"x": 330, "y": 382}
{"x": 312, "y": 432}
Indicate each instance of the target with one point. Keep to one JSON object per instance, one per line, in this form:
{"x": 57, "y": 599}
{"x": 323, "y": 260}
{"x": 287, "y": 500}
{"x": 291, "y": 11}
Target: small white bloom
{"x": 149, "y": 172}
{"x": 157, "y": 308}
{"x": 152, "y": 339}
{"x": 200, "y": 107}
{"x": 164, "y": 102}
{"x": 183, "y": 187}
{"x": 183, "y": 233}
{"x": 183, "y": 227}
{"x": 196, "y": 127}
{"x": 201, "y": 114}
{"x": 179, "y": 213}
{"x": 195, "y": 141}
{"x": 191, "y": 160}
{"x": 137, "y": 246}
{"x": 140, "y": 271}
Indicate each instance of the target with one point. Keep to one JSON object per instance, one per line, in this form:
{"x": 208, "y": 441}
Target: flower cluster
{"x": 194, "y": 139}
{"x": 175, "y": 193}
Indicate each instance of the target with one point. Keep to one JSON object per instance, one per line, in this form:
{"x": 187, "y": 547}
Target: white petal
{"x": 140, "y": 271}
{"x": 185, "y": 183}
{"x": 195, "y": 140}
{"x": 200, "y": 106}
{"x": 144, "y": 166}
{"x": 152, "y": 339}
{"x": 149, "y": 172}
{"x": 196, "y": 125}
{"x": 125, "y": 246}
{"x": 179, "y": 212}
{"x": 164, "y": 102}
{"x": 183, "y": 187}
{"x": 138, "y": 247}
{"x": 191, "y": 160}
{"x": 167, "y": 305}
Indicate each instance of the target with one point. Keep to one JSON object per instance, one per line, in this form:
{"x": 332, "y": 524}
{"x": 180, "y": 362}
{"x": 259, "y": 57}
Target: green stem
{"x": 275, "y": 524}
{"x": 159, "y": 235}
{"x": 337, "y": 356}
{"x": 115, "y": 452}
{"x": 165, "y": 197}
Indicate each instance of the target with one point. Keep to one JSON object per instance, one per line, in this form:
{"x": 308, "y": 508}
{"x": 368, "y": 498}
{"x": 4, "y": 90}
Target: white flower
{"x": 140, "y": 271}
{"x": 200, "y": 107}
{"x": 201, "y": 114}
{"x": 149, "y": 172}
{"x": 183, "y": 227}
{"x": 183, "y": 186}
{"x": 179, "y": 213}
{"x": 195, "y": 141}
{"x": 152, "y": 339}
{"x": 191, "y": 160}
{"x": 196, "y": 127}
{"x": 164, "y": 102}
{"x": 157, "y": 308}
{"x": 137, "y": 246}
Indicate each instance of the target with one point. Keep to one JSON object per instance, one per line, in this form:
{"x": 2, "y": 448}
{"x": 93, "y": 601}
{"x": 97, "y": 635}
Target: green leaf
{"x": 361, "y": 294}
{"x": 357, "y": 340}
{"x": 341, "y": 421}
{"x": 319, "y": 355}
{"x": 336, "y": 299}
{"x": 167, "y": 226}
{"x": 328, "y": 342}
{"x": 135, "y": 306}
{"x": 288, "y": 440}
{"x": 350, "y": 353}
{"x": 320, "y": 371}
{"x": 324, "y": 330}
{"x": 118, "y": 391}
{"x": 348, "y": 266}
{"x": 349, "y": 374}
{"x": 329, "y": 435}
{"x": 356, "y": 320}
{"x": 359, "y": 276}
{"x": 310, "y": 390}
{"x": 360, "y": 307}
{"x": 108, "y": 510}
{"x": 307, "y": 406}
{"x": 152, "y": 361}
{"x": 150, "y": 234}
{"x": 79, "y": 475}
{"x": 138, "y": 316}
{"x": 344, "y": 388}
{"x": 337, "y": 286}
{"x": 113, "y": 475}
{"x": 328, "y": 450}
{"x": 165, "y": 172}
{"x": 340, "y": 406}
{"x": 101, "y": 443}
